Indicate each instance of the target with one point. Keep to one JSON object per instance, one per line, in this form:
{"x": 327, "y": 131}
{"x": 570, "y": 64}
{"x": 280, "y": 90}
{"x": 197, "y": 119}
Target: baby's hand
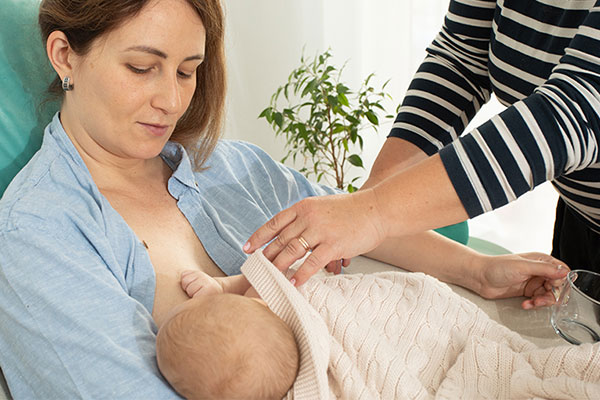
{"x": 198, "y": 283}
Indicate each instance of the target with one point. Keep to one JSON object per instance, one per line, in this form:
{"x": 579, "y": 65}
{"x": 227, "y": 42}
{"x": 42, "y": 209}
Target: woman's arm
{"x": 395, "y": 155}
{"x": 553, "y": 132}
{"x": 532, "y": 275}
{"x": 347, "y": 225}
{"x": 70, "y": 327}
{"x": 448, "y": 89}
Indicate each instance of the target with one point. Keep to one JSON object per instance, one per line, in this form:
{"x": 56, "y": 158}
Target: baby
{"x": 222, "y": 344}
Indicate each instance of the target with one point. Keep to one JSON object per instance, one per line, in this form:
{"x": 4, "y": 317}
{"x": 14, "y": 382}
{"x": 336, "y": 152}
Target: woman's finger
{"x": 544, "y": 300}
{"x": 294, "y": 249}
{"x": 334, "y": 266}
{"x": 270, "y": 230}
{"x": 548, "y": 270}
{"x": 315, "y": 261}
{"x": 287, "y": 235}
{"x": 541, "y": 298}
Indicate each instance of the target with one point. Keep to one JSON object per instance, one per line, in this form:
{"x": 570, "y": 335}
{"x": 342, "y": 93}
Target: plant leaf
{"x": 352, "y": 120}
{"x": 265, "y": 112}
{"x": 372, "y": 117}
{"x": 355, "y": 160}
{"x": 310, "y": 87}
{"x": 278, "y": 118}
{"x": 343, "y": 99}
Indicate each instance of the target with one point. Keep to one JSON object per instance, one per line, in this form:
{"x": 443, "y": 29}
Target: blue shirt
{"x": 77, "y": 285}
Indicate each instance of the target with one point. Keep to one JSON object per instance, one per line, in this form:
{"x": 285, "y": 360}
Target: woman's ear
{"x": 60, "y": 54}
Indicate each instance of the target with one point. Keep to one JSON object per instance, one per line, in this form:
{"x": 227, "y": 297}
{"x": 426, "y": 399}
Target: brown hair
{"x": 227, "y": 346}
{"x": 84, "y": 21}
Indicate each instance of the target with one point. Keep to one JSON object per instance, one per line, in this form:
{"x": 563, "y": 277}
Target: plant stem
{"x": 338, "y": 179}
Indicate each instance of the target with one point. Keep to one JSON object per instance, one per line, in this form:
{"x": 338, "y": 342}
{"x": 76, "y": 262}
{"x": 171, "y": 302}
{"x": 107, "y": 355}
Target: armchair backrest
{"x": 25, "y": 74}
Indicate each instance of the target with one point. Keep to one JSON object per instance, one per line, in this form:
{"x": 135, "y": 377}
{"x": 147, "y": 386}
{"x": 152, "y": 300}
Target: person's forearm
{"x": 433, "y": 254}
{"x": 415, "y": 200}
{"x": 395, "y": 155}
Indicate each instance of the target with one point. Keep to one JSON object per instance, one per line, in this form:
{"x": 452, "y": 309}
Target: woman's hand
{"x": 534, "y": 275}
{"x": 332, "y": 228}
{"x": 198, "y": 283}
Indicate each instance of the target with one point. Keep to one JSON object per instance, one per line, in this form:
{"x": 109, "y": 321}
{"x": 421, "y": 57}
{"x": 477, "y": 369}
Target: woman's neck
{"x": 117, "y": 171}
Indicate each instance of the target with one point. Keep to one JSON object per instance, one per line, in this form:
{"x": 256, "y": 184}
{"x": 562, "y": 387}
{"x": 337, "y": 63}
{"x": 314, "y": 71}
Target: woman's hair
{"x": 84, "y": 21}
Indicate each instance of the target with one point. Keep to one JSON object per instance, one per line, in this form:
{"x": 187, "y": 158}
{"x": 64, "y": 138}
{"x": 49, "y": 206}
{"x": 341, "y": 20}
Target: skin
{"x": 532, "y": 275}
{"x": 128, "y": 93}
{"x": 395, "y": 155}
{"x": 363, "y": 220}
{"x": 366, "y": 225}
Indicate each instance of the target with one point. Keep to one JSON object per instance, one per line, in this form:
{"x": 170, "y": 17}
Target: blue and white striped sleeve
{"x": 549, "y": 134}
{"x": 452, "y": 83}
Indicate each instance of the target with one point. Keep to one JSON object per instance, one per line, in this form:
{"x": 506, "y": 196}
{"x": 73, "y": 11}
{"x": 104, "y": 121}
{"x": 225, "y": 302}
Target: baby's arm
{"x": 198, "y": 283}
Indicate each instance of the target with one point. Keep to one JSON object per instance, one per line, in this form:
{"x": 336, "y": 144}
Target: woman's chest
{"x": 171, "y": 243}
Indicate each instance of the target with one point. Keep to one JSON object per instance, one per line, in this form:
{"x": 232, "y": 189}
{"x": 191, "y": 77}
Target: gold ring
{"x": 304, "y": 243}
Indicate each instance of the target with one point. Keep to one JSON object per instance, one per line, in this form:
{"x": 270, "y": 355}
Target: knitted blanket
{"x": 396, "y": 335}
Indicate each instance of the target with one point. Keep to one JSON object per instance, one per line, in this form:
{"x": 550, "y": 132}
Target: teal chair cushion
{"x": 25, "y": 74}
{"x": 458, "y": 232}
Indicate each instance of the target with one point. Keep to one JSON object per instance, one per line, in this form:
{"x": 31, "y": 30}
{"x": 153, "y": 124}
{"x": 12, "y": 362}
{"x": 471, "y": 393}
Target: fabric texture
{"x": 396, "y": 335}
{"x": 541, "y": 59}
{"x": 25, "y": 74}
{"x": 574, "y": 242}
{"x": 77, "y": 285}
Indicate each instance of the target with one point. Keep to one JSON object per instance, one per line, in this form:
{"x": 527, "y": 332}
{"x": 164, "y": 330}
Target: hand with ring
{"x": 332, "y": 228}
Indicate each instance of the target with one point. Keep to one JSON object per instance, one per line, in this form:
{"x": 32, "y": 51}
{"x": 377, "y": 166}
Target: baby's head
{"x": 227, "y": 346}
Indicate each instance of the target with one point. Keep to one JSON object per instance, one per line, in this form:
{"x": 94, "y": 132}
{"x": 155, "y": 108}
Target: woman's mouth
{"x": 156, "y": 129}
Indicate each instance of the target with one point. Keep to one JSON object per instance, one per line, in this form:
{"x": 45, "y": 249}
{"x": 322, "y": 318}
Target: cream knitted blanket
{"x": 397, "y": 335}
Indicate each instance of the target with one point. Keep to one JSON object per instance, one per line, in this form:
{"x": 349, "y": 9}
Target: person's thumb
{"x": 549, "y": 271}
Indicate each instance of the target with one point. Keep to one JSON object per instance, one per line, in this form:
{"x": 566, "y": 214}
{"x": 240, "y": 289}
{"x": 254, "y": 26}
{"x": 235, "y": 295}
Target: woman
{"x": 96, "y": 229}
{"x": 539, "y": 57}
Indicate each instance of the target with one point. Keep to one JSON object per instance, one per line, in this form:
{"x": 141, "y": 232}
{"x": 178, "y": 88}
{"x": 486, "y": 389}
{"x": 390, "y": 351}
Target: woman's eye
{"x": 137, "y": 70}
{"x": 184, "y": 75}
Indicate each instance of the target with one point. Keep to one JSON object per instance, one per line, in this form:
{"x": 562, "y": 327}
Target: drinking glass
{"x": 576, "y": 314}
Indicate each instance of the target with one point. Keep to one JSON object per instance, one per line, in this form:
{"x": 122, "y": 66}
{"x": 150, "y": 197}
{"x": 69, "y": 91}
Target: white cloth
{"x": 399, "y": 335}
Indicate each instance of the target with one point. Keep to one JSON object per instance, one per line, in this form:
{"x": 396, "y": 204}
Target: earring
{"x": 66, "y": 84}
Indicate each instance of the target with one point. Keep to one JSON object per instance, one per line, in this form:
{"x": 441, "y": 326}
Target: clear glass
{"x": 576, "y": 314}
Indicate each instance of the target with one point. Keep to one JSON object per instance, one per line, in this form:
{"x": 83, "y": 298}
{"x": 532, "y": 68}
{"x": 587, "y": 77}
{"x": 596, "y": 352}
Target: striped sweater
{"x": 542, "y": 60}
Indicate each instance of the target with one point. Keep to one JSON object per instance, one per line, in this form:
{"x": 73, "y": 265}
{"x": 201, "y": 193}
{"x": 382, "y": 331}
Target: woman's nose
{"x": 168, "y": 96}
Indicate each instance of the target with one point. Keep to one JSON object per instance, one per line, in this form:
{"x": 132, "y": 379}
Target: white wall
{"x": 264, "y": 42}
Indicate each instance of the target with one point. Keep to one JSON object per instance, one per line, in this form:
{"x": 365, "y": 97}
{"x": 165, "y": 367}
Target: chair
{"x": 25, "y": 74}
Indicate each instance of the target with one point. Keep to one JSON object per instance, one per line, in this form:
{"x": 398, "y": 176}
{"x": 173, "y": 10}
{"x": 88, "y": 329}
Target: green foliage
{"x": 322, "y": 119}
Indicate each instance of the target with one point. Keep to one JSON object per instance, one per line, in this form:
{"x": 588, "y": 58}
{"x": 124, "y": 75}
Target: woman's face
{"x": 136, "y": 81}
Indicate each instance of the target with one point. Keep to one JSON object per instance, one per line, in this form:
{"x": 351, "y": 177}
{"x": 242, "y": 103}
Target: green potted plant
{"x": 323, "y": 120}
